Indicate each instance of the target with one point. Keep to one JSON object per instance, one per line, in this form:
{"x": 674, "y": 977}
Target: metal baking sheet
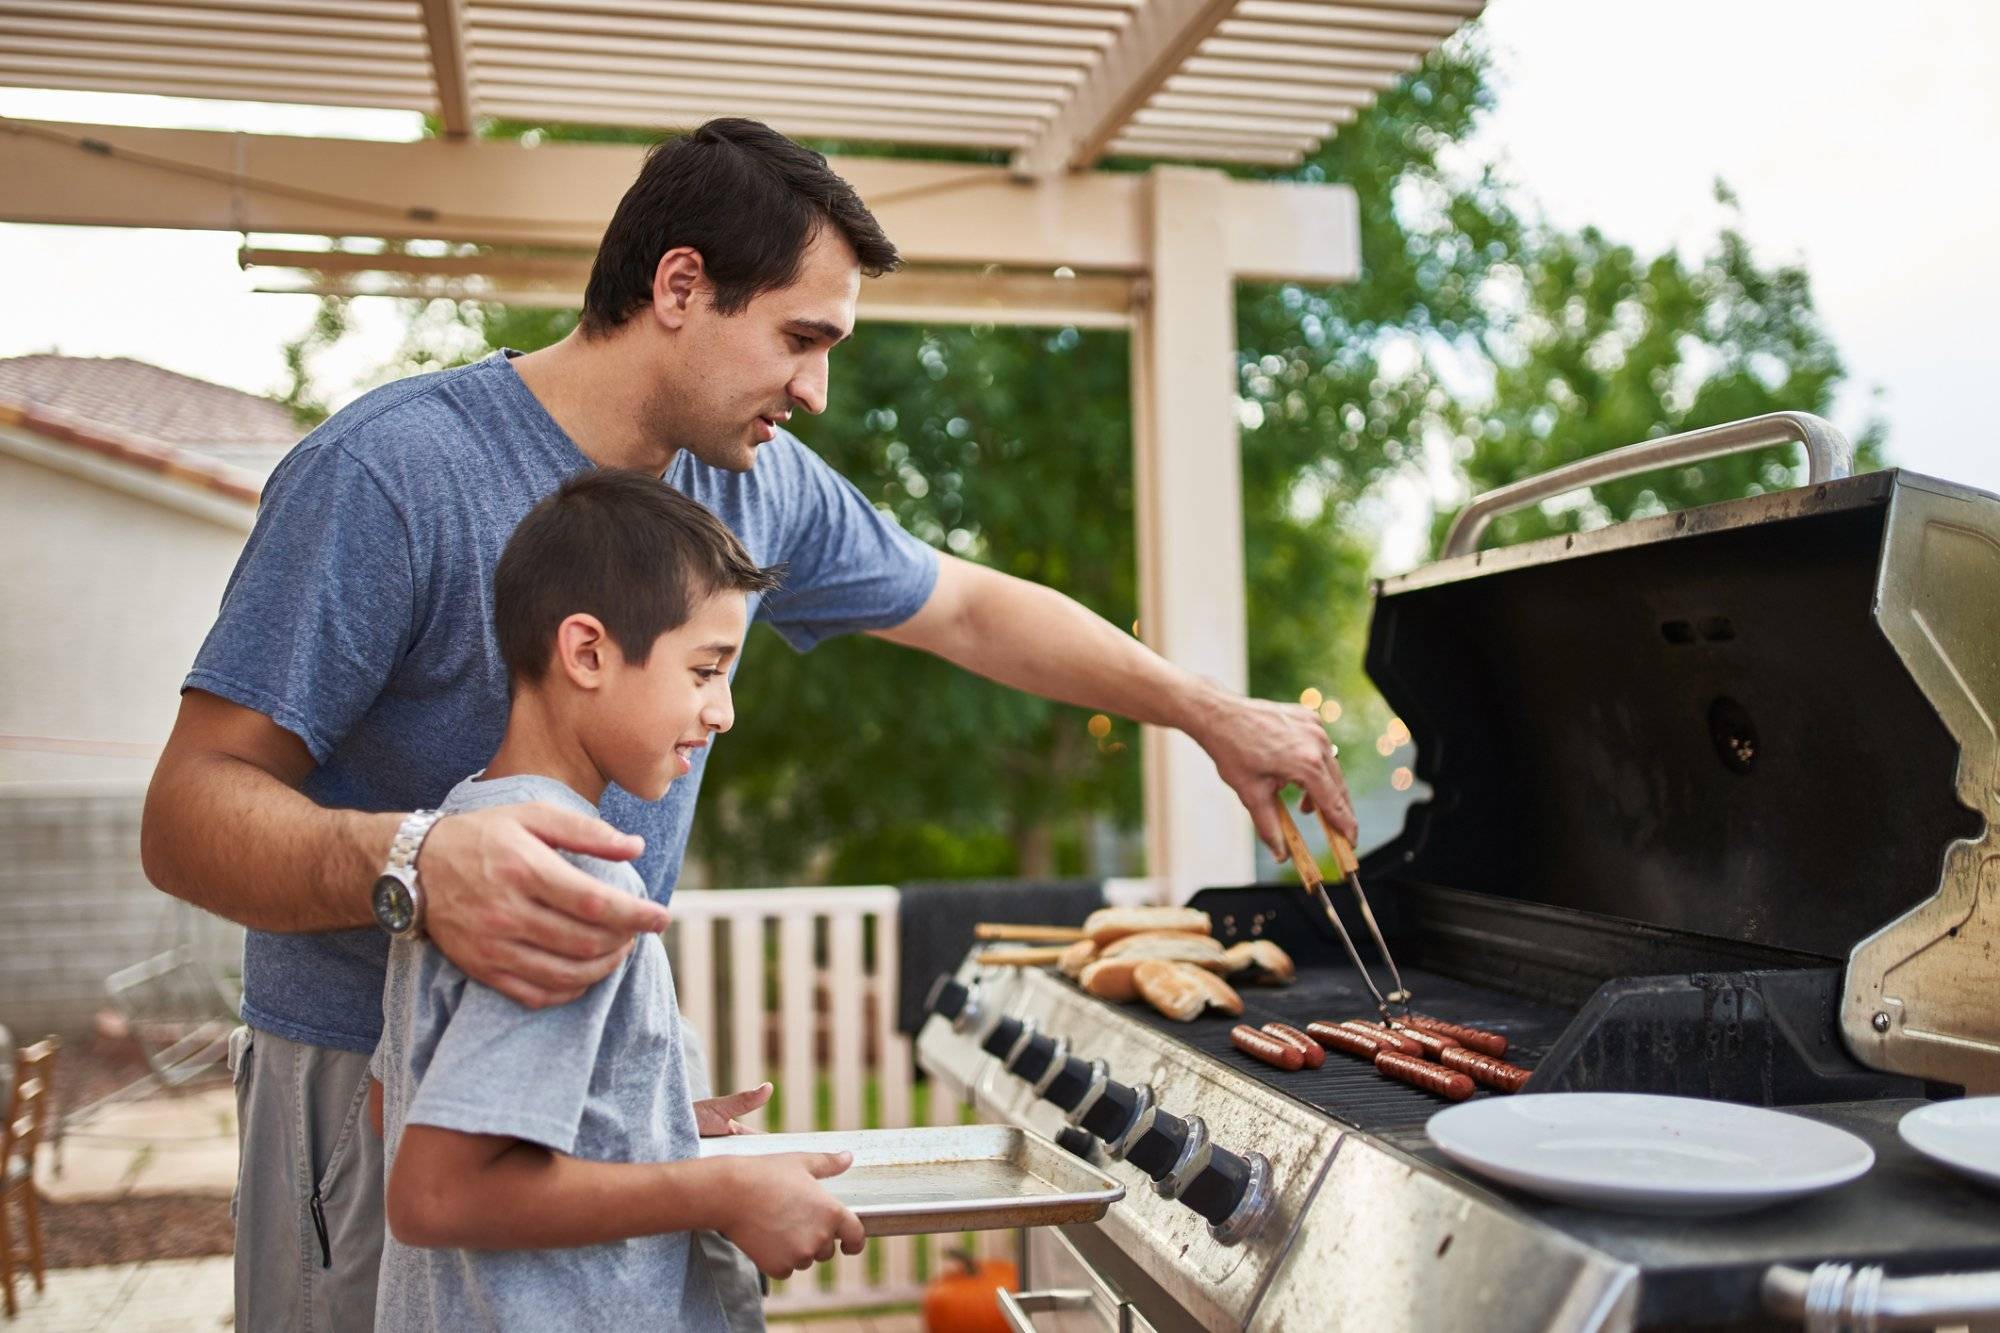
{"x": 907, "y": 1182}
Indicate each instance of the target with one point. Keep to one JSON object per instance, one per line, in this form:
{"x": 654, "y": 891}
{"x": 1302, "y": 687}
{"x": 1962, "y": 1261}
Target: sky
{"x": 1859, "y": 139}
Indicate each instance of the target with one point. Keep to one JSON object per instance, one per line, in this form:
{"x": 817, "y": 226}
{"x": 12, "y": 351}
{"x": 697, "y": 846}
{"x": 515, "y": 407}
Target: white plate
{"x": 1638, "y": 1153}
{"x": 1964, "y": 1135}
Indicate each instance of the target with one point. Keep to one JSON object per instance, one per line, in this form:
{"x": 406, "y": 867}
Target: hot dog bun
{"x": 1115, "y": 923}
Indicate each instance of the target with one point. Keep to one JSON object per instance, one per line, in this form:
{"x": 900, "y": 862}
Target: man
{"x": 352, "y": 677}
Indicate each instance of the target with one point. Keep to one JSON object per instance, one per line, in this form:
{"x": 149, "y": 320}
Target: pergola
{"x": 1056, "y": 85}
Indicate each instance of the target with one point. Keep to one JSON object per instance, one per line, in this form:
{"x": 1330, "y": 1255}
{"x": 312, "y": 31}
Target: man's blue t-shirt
{"x": 360, "y": 618}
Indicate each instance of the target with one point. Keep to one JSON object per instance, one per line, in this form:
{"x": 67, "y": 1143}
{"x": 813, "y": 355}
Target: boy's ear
{"x": 582, "y": 648}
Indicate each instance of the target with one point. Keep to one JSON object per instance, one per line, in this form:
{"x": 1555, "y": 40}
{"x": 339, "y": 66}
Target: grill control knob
{"x": 1072, "y": 1139}
{"x": 1110, "y": 1117}
{"x": 948, "y": 996}
{"x": 1001, "y": 1040}
{"x": 1234, "y": 1193}
{"x": 1068, "y": 1084}
{"x": 1033, "y": 1058}
{"x": 1219, "y": 1187}
{"x": 1159, "y": 1147}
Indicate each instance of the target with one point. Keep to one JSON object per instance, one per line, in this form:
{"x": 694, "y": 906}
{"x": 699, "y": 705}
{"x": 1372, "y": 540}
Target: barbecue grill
{"x": 1712, "y": 813}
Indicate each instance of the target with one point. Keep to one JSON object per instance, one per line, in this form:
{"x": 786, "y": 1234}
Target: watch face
{"x": 395, "y": 908}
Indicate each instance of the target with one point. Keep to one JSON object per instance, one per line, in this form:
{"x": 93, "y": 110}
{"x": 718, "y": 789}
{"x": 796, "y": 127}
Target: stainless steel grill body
{"x": 1715, "y": 811}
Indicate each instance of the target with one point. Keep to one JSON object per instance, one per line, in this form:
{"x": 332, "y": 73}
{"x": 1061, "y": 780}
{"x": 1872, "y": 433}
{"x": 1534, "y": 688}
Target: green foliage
{"x": 1341, "y": 391}
{"x": 1610, "y": 348}
{"x": 307, "y": 406}
{"x": 1007, "y": 446}
{"x": 1474, "y": 335}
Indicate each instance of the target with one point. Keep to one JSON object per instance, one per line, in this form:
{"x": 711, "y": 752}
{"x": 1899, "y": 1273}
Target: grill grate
{"x": 1345, "y": 1087}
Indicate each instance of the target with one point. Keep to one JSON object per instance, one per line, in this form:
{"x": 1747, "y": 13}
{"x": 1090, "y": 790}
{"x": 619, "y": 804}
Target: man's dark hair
{"x": 622, "y": 546}
{"x": 749, "y": 199}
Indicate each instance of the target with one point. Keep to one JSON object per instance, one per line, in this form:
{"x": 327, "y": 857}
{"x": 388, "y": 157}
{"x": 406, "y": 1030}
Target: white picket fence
{"x": 799, "y": 986}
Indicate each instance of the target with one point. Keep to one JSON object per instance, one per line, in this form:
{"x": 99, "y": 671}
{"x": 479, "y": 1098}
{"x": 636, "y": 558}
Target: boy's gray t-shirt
{"x": 600, "y": 1078}
{"x": 360, "y": 619}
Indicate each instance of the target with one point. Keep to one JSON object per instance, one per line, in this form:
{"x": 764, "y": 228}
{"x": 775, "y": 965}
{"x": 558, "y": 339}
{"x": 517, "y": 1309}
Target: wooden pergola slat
{"x": 19, "y": 21}
{"x": 666, "y": 17}
{"x": 780, "y": 42}
{"x": 82, "y": 16}
{"x": 502, "y": 81}
{"x": 525, "y": 46}
{"x": 690, "y": 110}
{"x": 444, "y": 30}
{"x": 546, "y": 66}
{"x": 365, "y": 70}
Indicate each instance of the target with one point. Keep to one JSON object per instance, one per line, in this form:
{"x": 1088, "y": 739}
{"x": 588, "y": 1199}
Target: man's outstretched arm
{"x": 227, "y": 829}
{"x": 1038, "y": 640}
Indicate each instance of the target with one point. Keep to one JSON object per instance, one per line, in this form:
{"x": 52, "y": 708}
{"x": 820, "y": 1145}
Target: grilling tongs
{"x": 1309, "y": 875}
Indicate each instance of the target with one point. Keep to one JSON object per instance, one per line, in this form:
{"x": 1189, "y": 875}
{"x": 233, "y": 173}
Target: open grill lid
{"x": 1769, "y": 720}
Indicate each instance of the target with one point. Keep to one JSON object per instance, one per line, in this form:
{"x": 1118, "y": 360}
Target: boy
{"x": 543, "y": 1165}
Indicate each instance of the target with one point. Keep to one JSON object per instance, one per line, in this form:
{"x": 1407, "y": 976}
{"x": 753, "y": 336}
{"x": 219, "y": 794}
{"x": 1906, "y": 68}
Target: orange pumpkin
{"x": 964, "y": 1299}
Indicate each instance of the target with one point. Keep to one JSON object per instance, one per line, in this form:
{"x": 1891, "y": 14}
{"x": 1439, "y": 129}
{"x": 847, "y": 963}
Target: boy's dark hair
{"x": 622, "y": 546}
{"x": 749, "y": 199}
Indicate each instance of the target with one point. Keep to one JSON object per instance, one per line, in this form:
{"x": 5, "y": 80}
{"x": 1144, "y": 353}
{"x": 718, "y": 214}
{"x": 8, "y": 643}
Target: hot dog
{"x": 1335, "y": 1036}
{"x": 1271, "y": 1050}
{"x": 1386, "y": 1039}
{"x": 1474, "y": 1039}
{"x": 1484, "y": 1068}
{"x": 1312, "y": 1051}
{"x": 1431, "y": 1042}
{"x": 1446, "y": 1083}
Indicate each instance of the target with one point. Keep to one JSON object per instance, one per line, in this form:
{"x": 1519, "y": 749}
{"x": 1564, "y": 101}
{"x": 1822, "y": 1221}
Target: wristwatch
{"x": 398, "y": 899}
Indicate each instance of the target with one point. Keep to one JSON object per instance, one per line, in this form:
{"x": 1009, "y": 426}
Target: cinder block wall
{"x": 75, "y": 907}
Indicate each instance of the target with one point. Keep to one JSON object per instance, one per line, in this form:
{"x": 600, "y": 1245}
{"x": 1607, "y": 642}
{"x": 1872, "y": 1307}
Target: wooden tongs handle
{"x": 1302, "y": 858}
{"x": 1343, "y": 850}
{"x": 1315, "y": 884}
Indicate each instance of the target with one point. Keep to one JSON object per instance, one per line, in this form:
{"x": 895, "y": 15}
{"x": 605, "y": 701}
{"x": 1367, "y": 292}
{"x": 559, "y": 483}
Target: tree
{"x": 1607, "y": 348}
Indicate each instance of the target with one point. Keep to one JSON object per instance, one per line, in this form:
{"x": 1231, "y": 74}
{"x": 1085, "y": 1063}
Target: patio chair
{"x": 179, "y": 1007}
{"x": 27, "y": 1115}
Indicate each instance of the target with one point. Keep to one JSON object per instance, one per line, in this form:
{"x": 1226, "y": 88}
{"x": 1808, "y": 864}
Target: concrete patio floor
{"x": 169, "y": 1143}
{"x": 187, "y": 1295}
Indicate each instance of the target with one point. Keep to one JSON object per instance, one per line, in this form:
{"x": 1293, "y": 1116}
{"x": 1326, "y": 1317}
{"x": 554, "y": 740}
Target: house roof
{"x": 207, "y": 435}
{"x": 150, "y": 407}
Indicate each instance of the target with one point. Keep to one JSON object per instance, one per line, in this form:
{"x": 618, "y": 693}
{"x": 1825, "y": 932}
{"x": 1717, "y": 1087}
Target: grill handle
{"x": 1833, "y": 1298}
{"x": 1828, "y": 457}
{"x": 1019, "y": 1309}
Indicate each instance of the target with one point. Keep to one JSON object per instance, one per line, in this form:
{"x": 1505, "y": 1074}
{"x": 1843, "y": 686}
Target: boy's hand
{"x": 514, "y": 915}
{"x": 715, "y": 1117}
{"x": 783, "y": 1218}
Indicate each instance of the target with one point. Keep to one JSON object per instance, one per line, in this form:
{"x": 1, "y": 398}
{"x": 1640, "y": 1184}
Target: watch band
{"x": 409, "y": 839}
{"x": 403, "y": 850}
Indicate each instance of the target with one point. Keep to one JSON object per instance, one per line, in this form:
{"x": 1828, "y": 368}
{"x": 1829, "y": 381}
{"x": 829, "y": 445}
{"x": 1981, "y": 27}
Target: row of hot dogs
{"x": 1451, "y": 1060}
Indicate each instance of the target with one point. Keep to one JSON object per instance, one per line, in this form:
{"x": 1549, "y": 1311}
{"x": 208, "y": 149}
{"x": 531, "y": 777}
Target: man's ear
{"x": 583, "y": 649}
{"x": 677, "y": 279}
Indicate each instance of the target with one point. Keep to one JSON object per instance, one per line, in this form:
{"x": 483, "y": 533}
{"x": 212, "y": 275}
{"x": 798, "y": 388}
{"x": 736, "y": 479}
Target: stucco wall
{"x": 104, "y": 599}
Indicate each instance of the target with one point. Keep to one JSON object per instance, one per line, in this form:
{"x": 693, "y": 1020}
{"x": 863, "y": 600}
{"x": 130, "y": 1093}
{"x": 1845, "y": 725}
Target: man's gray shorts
{"x": 308, "y": 1203}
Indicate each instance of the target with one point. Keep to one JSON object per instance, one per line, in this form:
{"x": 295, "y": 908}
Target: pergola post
{"x": 1189, "y": 486}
